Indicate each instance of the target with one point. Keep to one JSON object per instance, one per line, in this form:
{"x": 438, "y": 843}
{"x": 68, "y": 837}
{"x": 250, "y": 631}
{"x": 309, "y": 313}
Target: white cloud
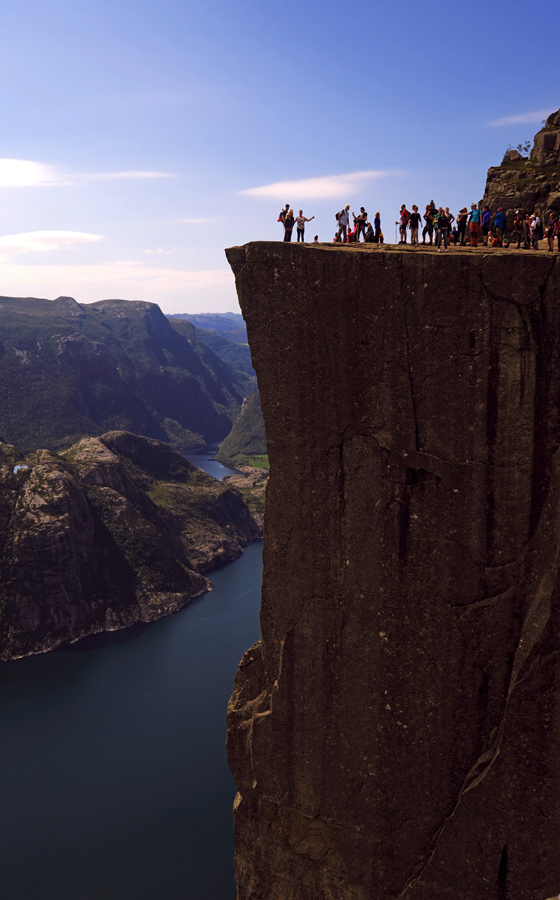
{"x": 39, "y": 241}
{"x": 159, "y": 252}
{"x": 315, "y": 188}
{"x": 524, "y": 118}
{"x": 27, "y": 173}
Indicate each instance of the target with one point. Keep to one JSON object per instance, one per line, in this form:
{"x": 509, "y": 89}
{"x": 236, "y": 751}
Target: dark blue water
{"x": 114, "y": 782}
{"x": 205, "y": 460}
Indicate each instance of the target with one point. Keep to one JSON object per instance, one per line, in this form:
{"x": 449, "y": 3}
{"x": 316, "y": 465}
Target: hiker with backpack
{"x": 288, "y": 225}
{"x": 517, "y": 233}
{"x": 498, "y": 228}
{"x": 405, "y": 216}
{"x": 343, "y": 219}
{"x": 429, "y": 226}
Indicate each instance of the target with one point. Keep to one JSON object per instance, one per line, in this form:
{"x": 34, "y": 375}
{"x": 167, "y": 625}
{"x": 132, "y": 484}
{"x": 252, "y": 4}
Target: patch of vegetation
{"x": 247, "y": 437}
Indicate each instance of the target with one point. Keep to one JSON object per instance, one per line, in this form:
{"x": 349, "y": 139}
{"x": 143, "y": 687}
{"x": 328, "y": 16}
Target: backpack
{"x": 336, "y": 215}
{"x": 540, "y": 230}
{"x": 282, "y": 216}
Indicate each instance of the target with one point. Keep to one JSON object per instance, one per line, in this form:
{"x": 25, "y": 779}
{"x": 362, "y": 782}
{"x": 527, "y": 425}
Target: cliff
{"x": 533, "y": 184}
{"x": 395, "y": 732}
{"x": 69, "y": 369}
{"x": 117, "y": 530}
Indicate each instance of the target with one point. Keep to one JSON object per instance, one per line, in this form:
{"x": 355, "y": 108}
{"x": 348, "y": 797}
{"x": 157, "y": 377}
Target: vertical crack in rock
{"x": 412, "y": 397}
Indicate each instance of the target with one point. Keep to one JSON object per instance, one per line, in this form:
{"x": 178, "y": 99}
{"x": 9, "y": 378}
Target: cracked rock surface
{"x": 395, "y": 733}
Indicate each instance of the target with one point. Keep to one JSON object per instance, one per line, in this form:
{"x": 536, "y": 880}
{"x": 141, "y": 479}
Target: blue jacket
{"x": 499, "y": 220}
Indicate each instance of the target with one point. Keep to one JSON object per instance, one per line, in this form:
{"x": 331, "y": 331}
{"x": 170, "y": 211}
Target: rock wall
{"x": 533, "y": 184}
{"x": 395, "y": 734}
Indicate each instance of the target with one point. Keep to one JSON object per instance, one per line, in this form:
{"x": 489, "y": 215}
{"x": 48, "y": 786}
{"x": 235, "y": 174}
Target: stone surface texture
{"x": 396, "y": 732}
{"x": 533, "y": 184}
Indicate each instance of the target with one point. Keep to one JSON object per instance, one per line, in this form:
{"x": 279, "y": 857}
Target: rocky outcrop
{"x": 251, "y": 481}
{"x": 118, "y": 529}
{"x": 532, "y": 185}
{"x": 395, "y": 732}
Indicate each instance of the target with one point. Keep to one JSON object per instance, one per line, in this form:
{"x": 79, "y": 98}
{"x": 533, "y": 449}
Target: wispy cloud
{"x": 112, "y": 176}
{"x": 27, "y": 173}
{"x": 316, "y": 188}
{"x": 528, "y": 118}
{"x": 159, "y": 252}
{"x": 201, "y": 221}
{"x": 125, "y": 278}
{"x": 40, "y": 241}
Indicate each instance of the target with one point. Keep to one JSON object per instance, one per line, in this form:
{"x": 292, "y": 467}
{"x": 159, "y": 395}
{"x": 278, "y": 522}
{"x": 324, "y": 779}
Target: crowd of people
{"x": 439, "y": 227}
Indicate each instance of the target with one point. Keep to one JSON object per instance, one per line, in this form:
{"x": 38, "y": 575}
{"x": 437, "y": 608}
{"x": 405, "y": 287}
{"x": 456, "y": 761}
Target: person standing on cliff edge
{"x": 288, "y": 225}
{"x": 300, "y": 226}
{"x": 344, "y": 222}
{"x": 474, "y": 223}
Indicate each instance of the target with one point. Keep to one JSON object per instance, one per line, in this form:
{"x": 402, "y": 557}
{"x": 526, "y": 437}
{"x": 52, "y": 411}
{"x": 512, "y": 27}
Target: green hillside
{"x": 246, "y": 439}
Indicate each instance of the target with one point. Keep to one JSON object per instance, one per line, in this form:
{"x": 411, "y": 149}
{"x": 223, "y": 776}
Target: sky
{"x": 139, "y": 139}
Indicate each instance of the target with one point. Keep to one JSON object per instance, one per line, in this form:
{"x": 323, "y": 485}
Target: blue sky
{"x": 140, "y": 139}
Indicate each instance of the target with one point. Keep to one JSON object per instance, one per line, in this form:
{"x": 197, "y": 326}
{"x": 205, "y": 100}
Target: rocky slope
{"x": 247, "y": 437}
{"x": 116, "y": 530}
{"x": 69, "y": 370}
{"x": 529, "y": 184}
{"x": 395, "y": 732}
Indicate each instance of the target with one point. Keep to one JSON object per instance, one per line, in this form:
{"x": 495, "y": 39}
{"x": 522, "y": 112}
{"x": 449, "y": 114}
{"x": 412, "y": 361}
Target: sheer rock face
{"x": 532, "y": 185}
{"x": 395, "y": 733}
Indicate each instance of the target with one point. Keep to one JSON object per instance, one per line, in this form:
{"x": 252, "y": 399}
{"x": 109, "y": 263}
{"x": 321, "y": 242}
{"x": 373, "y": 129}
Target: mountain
{"x": 69, "y": 369}
{"x": 247, "y": 438}
{"x": 230, "y": 325}
{"x": 117, "y": 529}
{"x": 226, "y": 335}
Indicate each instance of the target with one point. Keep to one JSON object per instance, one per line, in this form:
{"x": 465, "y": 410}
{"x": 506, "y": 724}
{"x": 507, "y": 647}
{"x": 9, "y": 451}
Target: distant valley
{"x": 68, "y": 370}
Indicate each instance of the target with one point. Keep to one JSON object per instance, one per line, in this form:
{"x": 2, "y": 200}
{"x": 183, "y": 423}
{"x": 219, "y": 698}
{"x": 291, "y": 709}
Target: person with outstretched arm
{"x": 300, "y": 226}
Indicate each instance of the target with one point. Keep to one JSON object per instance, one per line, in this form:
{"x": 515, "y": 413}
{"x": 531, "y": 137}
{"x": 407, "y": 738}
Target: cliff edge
{"x": 395, "y": 732}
